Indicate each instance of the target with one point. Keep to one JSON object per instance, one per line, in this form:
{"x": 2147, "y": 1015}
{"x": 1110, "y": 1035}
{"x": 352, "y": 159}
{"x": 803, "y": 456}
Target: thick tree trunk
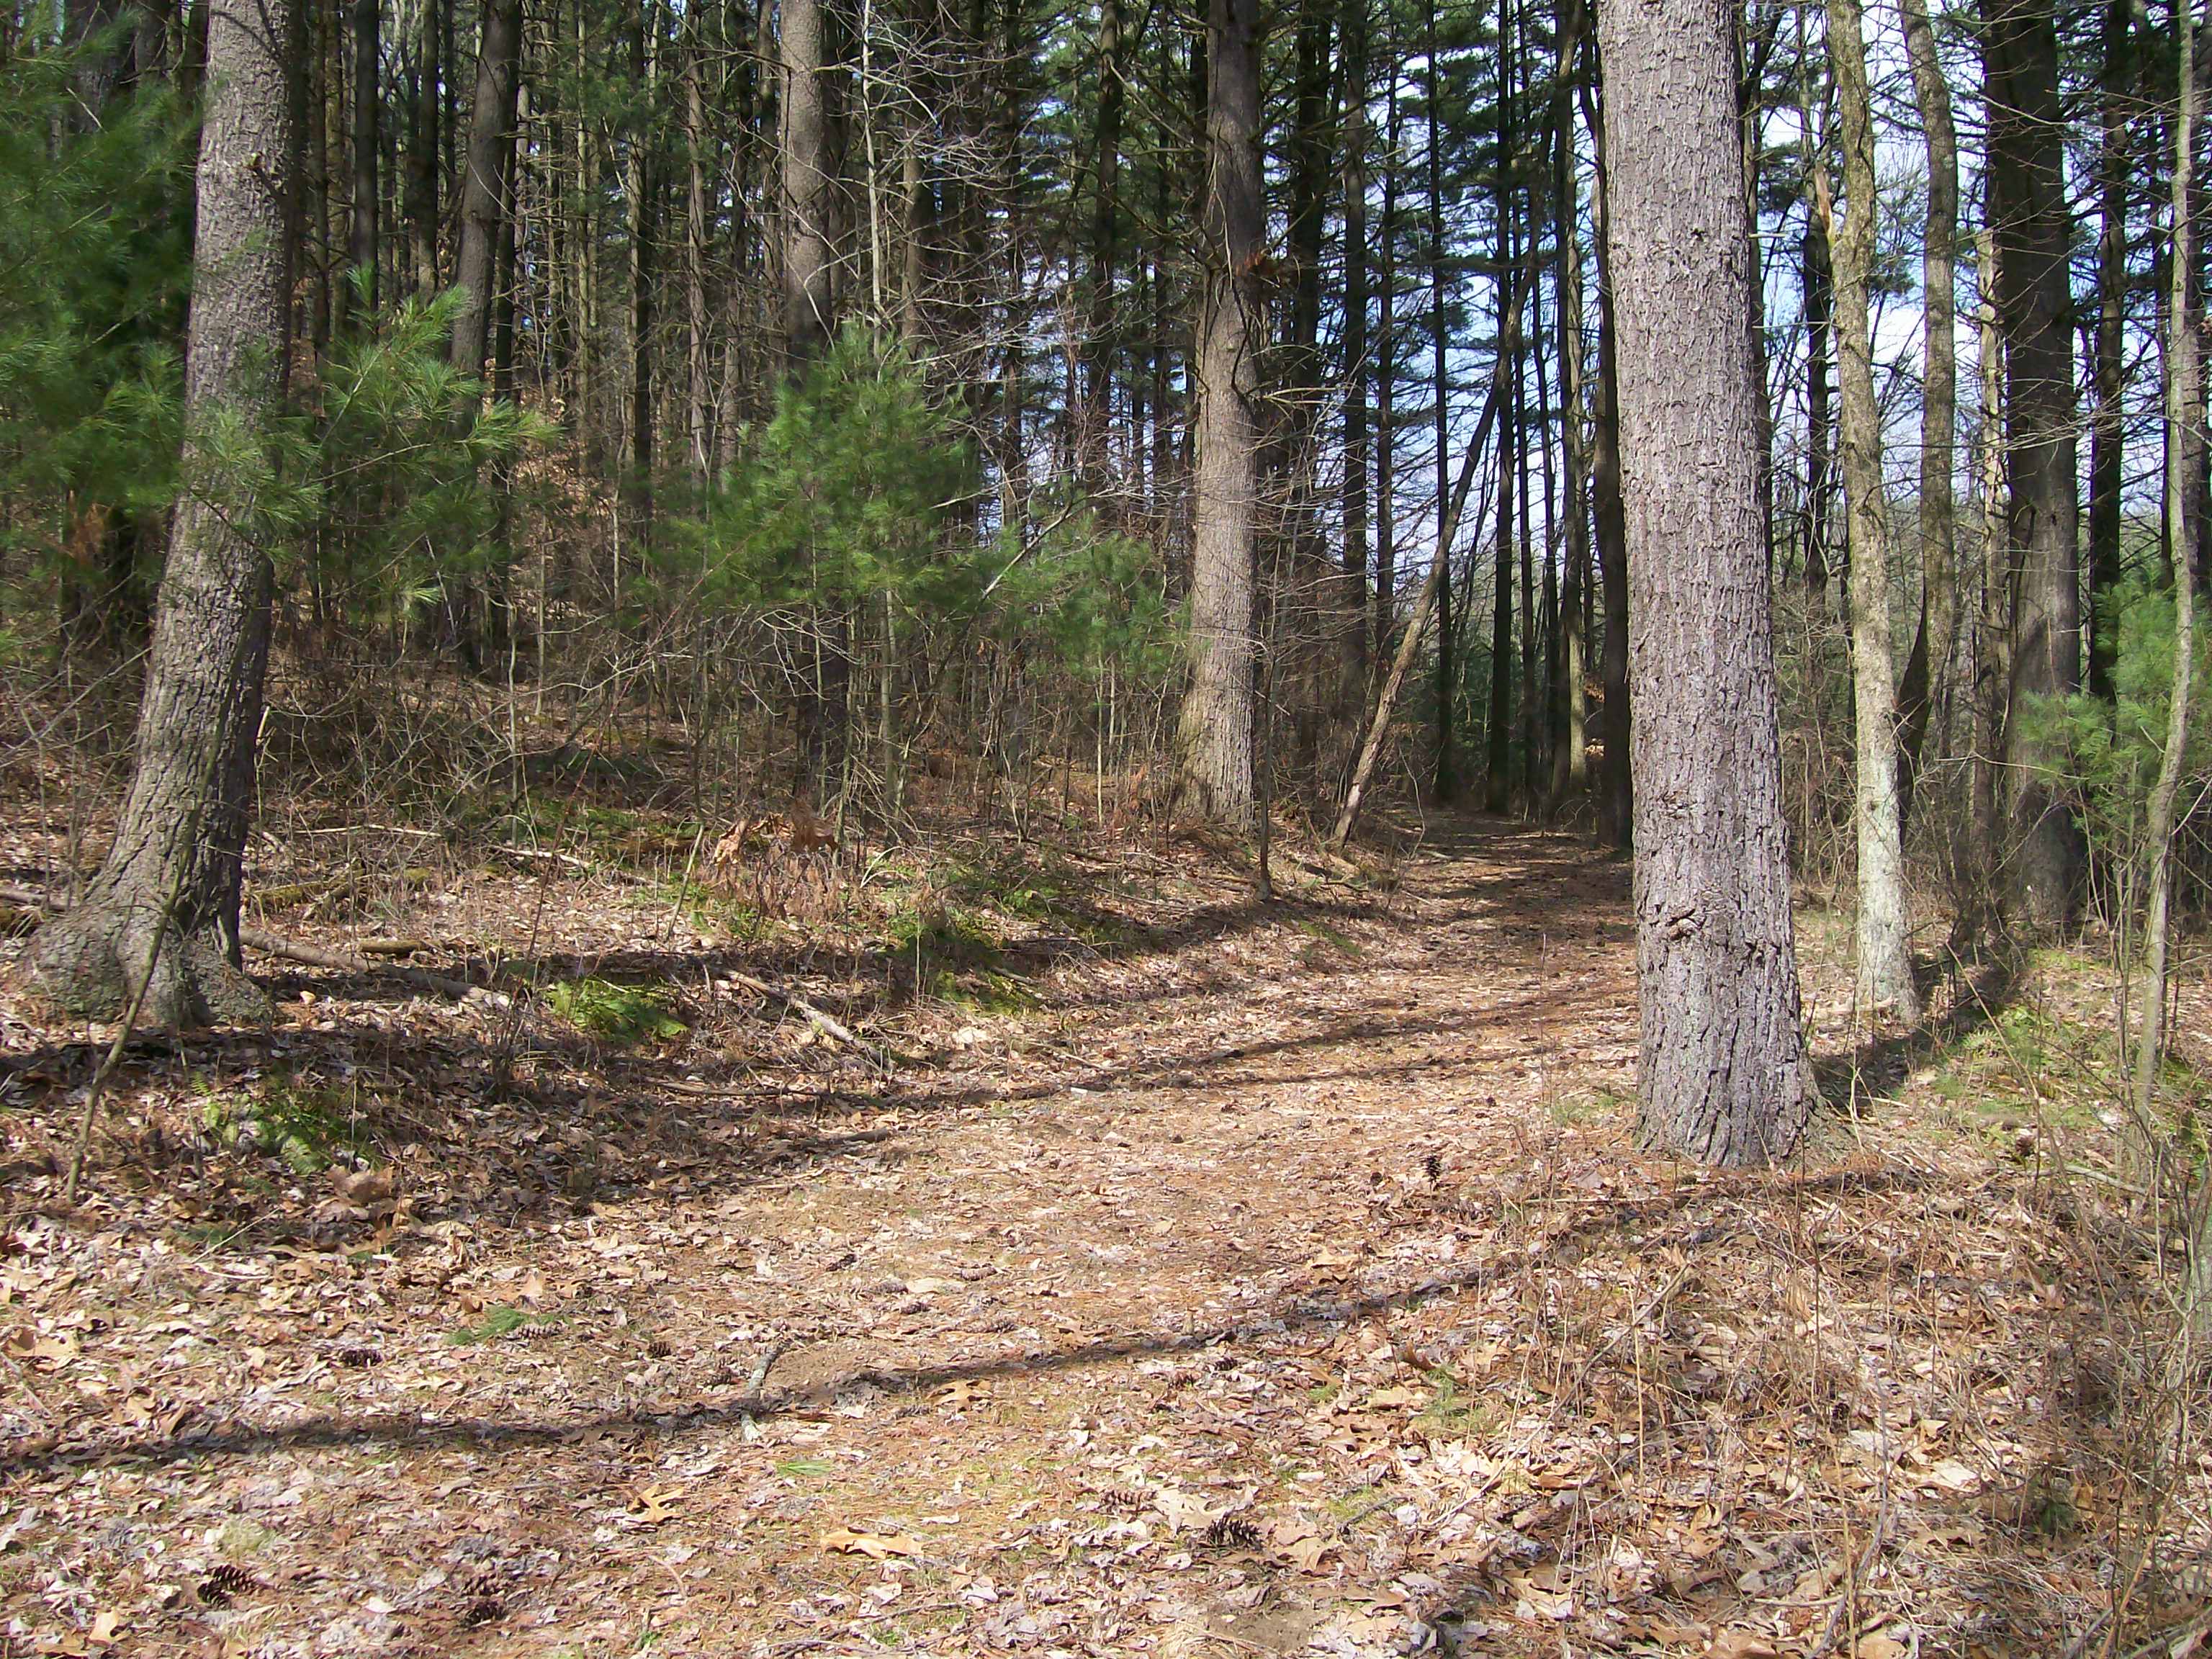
{"x": 1885, "y": 954}
{"x": 2026, "y": 157}
{"x": 1929, "y": 681}
{"x": 484, "y": 185}
{"x": 368, "y": 103}
{"x": 809, "y": 191}
{"x": 1723, "y": 1075}
{"x": 1216, "y": 735}
{"x": 421, "y": 172}
{"x": 1446, "y": 757}
{"x": 183, "y": 827}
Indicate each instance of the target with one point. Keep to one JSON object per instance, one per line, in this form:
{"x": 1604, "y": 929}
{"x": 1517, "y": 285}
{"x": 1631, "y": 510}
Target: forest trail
{"x": 1296, "y": 1287}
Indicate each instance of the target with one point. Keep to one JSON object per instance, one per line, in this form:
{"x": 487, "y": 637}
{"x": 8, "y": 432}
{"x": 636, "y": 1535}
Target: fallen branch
{"x": 828, "y": 1025}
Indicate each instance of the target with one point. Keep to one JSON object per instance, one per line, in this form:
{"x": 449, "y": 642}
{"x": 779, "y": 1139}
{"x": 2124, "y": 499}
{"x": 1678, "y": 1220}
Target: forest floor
{"x": 1163, "y": 1274}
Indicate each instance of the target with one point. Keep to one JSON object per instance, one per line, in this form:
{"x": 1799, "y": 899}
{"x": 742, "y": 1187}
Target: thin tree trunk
{"x": 1573, "y": 771}
{"x": 1446, "y": 777}
{"x": 1217, "y": 728}
{"x": 1992, "y": 671}
{"x": 1617, "y": 790}
{"x": 1105, "y": 209}
{"x": 1354, "y": 681}
{"x": 1386, "y": 388}
{"x": 1724, "y": 1076}
{"x": 1928, "y": 685}
{"x": 1386, "y": 702}
{"x": 2108, "y": 378}
{"x": 368, "y": 101}
{"x": 1497, "y": 782}
{"x": 2185, "y": 408}
{"x": 1884, "y": 933}
{"x": 179, "y": 844}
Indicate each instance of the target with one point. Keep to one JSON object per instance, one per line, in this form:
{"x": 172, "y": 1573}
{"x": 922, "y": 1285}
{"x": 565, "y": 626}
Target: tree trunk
{"x": 485, "y": 184}
{"x": 183, "y": 827}
{"x": 1884, "y": 933}
{"x": 368, "y": 101}
{"x": 1353, "y": 689}
{"x": 2026, "y": 155}
{"x": 421, "y": 179}
{"x": 1926, "y": 695}
{"x": 1724, "y": 1076}
{"x": 1498, "y": 759}
{"x": 1571, "y": 769}
{"x": 810, "y": 194}
{"x": 1977, "y": 878}
{"x": 2184, "y": 409}
{"x": 2108, "y": 380}
{"x": 1446, "y": 777}
{"x": 1216, "y": 737}
{"x": 1617, "y": 790}
{"x": 1105, "y": 210}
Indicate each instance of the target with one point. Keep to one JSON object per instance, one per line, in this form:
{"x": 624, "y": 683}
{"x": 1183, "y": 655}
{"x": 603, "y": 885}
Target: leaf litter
{"x": 1271, "y": 1282}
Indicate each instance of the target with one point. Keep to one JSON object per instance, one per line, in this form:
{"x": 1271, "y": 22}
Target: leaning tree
{"x": 161, "y": 917}
{"x": 1723, "y": 1075}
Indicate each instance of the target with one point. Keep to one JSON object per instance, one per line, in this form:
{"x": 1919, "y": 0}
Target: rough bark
{"x": 1724, "y": 1076}
{"x": 2027, "y": 153}
{"x": 368, "y": 103}
{"x": 1216, "y": 733}
{"x": 484, "y": 184}
{"x": 182, "y": 830}
{"x": 810, "y": 194}
{"x": 1884, "y": 956}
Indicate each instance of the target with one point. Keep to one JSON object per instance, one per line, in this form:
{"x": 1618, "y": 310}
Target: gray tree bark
{"x": 2033, "y": 233}
{"x": 1884, "y": 956}
{"x": 1216, "y": 731}
{"x": 809, "y": 191}
{"x": 183, "y": 827}
{"x": 1929, "y": 678}
{"x": 484, "y": 183}
{"x": 368, "y": 103}
{"x": 1723, "y": 1075}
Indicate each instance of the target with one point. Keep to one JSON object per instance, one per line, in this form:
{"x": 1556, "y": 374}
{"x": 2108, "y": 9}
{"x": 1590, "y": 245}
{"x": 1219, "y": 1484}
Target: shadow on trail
{"x": 1880, "y": 1066}
{"x": 1694, "y": 1200}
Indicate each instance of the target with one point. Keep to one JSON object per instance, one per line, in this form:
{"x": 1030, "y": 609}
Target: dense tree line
{"x": 1319, "y": 396}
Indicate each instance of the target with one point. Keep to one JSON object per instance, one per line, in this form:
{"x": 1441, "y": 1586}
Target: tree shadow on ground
{"x": 1296, "y": 1312}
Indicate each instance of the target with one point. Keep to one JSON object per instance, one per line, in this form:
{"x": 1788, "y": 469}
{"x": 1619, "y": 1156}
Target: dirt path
{"x": 1291, "y": 1289}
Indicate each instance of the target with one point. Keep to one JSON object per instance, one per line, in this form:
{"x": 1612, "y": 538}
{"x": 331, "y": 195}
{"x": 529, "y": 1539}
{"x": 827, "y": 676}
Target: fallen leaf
{"x": 651, "y": 1506}
{"x": 877, "y": 1547}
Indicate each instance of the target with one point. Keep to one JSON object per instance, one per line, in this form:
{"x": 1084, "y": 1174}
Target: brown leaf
{"x": 877, "y": 1547}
